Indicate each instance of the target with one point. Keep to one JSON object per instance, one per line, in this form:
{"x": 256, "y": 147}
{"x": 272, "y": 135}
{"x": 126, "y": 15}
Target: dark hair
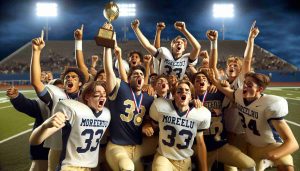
{"x": 98, "y": 73}
{"x": 153, "y": 74}
{"x": 201, "y": 72}
{"x": 138, "y": 67}
{"x": 90, "y": 89}
{"x": 179, "y": 37}
{"x": 56, "y": 82}
{"x": 161, "y": 76}
{"x": 261, "y": 80}
{"x": 77, "y": 71}
{"x": 136, "y": 52}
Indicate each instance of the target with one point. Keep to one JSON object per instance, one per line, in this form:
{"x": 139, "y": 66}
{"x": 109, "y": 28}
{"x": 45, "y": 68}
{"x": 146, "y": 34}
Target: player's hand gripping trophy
{"x": 106, "y": 33}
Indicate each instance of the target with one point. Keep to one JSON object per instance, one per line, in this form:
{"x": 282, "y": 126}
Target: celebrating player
{"x": 178, "y": 126}
{"x": 129, "y": 107}
{"x": 261, "y": 115}
{"x": 174, "y": 62}
{"x": 82, "y": 125}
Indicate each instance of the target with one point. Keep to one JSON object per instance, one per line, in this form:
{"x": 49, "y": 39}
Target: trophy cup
{"x": 105, "y": 36}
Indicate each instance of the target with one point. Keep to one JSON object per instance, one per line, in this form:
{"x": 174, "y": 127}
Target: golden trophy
{"x": 105, "y": 35}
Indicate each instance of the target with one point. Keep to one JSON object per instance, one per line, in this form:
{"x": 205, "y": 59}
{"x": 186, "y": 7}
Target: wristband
{"x": 78, "y": 45}
{"x": 213, "y": 44}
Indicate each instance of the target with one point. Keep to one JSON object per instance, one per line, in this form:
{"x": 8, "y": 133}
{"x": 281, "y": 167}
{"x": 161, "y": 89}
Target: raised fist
{"x": 135, "y": 24}
{"x": 95, "y": 58}
{"x": 147, "y": 59}
{"x": 117, "y": 51}
{"x": 253, "y": 32}
{"x": 12, "y": 92}
{"x": 204, "y": 54}
{"x": 160, "y": 26}
{"x": 212, "y": 35}
{"x": 57, "y": 120}
{"x": 180, "y": 25}
{"x": 38, "y": 43}
{"x": 78, "y": 33}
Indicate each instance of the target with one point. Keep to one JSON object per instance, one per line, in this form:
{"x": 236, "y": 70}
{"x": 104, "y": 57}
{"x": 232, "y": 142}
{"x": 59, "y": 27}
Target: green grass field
{"x": 14, "y": 153}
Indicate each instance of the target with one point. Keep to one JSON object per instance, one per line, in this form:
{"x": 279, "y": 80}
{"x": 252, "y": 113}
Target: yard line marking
{"x": 293, "y": 123}
{"x": 14, "y": 136}
{"x": 31, "y": 124}
{"x": 5, "y": 107}
{"x": 289, "y": 94}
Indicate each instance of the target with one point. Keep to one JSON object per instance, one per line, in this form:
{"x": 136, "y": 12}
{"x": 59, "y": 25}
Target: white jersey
{"x": 57, "y": 94}
{"x": 177, "y": 133}
{"x": 169, "y": 65}
{"x": 82, "y": 133}
{"x": 231, "y": 118}
{"x": 256, "y": 117}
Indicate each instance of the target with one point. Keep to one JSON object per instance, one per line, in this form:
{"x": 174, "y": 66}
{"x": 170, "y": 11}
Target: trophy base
{"x": 109, "y": 43}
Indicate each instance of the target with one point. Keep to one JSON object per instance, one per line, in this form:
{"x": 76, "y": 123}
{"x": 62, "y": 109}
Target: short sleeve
{"x": 277, "y": 109}
{"x": 206, "y": 118}
{"x": 112, "y": 95}
{"x": 154, "y": 111}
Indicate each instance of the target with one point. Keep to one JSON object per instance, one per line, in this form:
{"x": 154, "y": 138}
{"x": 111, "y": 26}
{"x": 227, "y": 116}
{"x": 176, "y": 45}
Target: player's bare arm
{"x": 248, "y": 54}
{"x": 212, "y": 36}
{"x": 78, "y": 35}
{"x": 48, "y": 128}
{"x": 221, "y": 85}
{"x": 180, "y": 26}
{"x": 111, "y": 79}
{"x": 35, "y": 67}
{"x": 201, "y": 152}
{"x": 143, "y": 40}
{"x": 159, "y": 28}
{"x": 290, "y": 143}
{"x": 122, "y": 71}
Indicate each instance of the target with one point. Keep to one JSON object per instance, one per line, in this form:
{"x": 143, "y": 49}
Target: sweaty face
{"x": 97, "y": 100}
{"x": 101, "y": 77}
{"x": 178, "y": 47}
{"x": 250, "y": 88}
{"x": 233, "y": 69}
{"x": 137, "y": 80}
{"x": 182, "y": 95}
{"x": 201, "y": 83}
{"x": 134, "y": 60}
{"x": 71, "y": 82}
{"x": 162, "y": 85}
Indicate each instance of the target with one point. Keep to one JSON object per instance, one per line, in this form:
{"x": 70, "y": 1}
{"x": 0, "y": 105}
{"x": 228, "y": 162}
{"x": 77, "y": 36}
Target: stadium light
{"x": 46, "y": 9}
{"x": 223, "y": 11}
{"x": 126, "y": 10}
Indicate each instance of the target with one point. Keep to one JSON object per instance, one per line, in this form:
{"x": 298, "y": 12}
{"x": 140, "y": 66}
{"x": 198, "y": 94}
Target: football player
{"x": 73, "y": 79}
{"x": 261, "y": 115}
{"x": 179, "y": 125}
{"x": 215, "y": 137}
{"x": 82, "y": 125}
{"x": 129, "y": 107}
{"x": 174, "y": 61}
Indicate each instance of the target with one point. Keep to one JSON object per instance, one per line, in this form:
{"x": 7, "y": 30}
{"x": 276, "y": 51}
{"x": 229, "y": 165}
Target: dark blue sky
{"x": 278, "y": 21}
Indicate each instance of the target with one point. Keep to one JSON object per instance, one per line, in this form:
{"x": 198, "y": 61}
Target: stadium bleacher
{"x": 57, "y": 54}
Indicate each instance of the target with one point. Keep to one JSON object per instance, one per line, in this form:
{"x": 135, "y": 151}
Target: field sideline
{"x": 15, "y": 129}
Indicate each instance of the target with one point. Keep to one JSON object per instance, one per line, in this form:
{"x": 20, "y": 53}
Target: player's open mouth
{"x": 139, "y": 81}
{"x": 69, "y": 85}
{"x": 244, "y": 91}
{"x": 178, "y": 48}
{"x": 202, "y": 84}
{"x": 101, "y": 102}
{"x": 163, "y": 86}
{"x": 183, "y": 97}
{"x": 133, "y": 62}
{"x": 231, "y": 70}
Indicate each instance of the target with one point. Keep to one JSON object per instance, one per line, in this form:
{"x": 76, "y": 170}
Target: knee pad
{"x": 126, "y": 164}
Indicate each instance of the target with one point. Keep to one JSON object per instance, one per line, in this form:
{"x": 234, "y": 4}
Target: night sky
{"x": 278, "y": 21}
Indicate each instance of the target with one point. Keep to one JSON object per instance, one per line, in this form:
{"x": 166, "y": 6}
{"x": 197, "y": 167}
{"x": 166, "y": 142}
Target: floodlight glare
{"x": 127, "y": 10}
{"x": 44, "y": 9}
{"x": 223, "y": 10}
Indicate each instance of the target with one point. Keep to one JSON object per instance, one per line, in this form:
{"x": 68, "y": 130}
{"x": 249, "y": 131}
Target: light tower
{"x": 223, "y": 11}
{"x": 126, "y": 10}
{"x": 46, "y": 9}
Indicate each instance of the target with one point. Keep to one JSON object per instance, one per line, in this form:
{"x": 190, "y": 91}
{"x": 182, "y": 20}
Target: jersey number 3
{"x": 88, "y": 141}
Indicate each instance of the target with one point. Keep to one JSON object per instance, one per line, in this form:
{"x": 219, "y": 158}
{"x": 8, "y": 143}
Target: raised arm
{"x": 143, "y": 40}
{"x": 159, "y": 27}
{"x": 221, "y": 85}
{"x": 249, "y": 49}
{"x": 122, "y": 71}
{"x": 35, "y": 67}
{"x": 147, "y": 62}
{"x": 180, "y": 26}
{"x": 48, "y": 128}
{"x": 78, "y": 34}
{"x": 212, "y": 36}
